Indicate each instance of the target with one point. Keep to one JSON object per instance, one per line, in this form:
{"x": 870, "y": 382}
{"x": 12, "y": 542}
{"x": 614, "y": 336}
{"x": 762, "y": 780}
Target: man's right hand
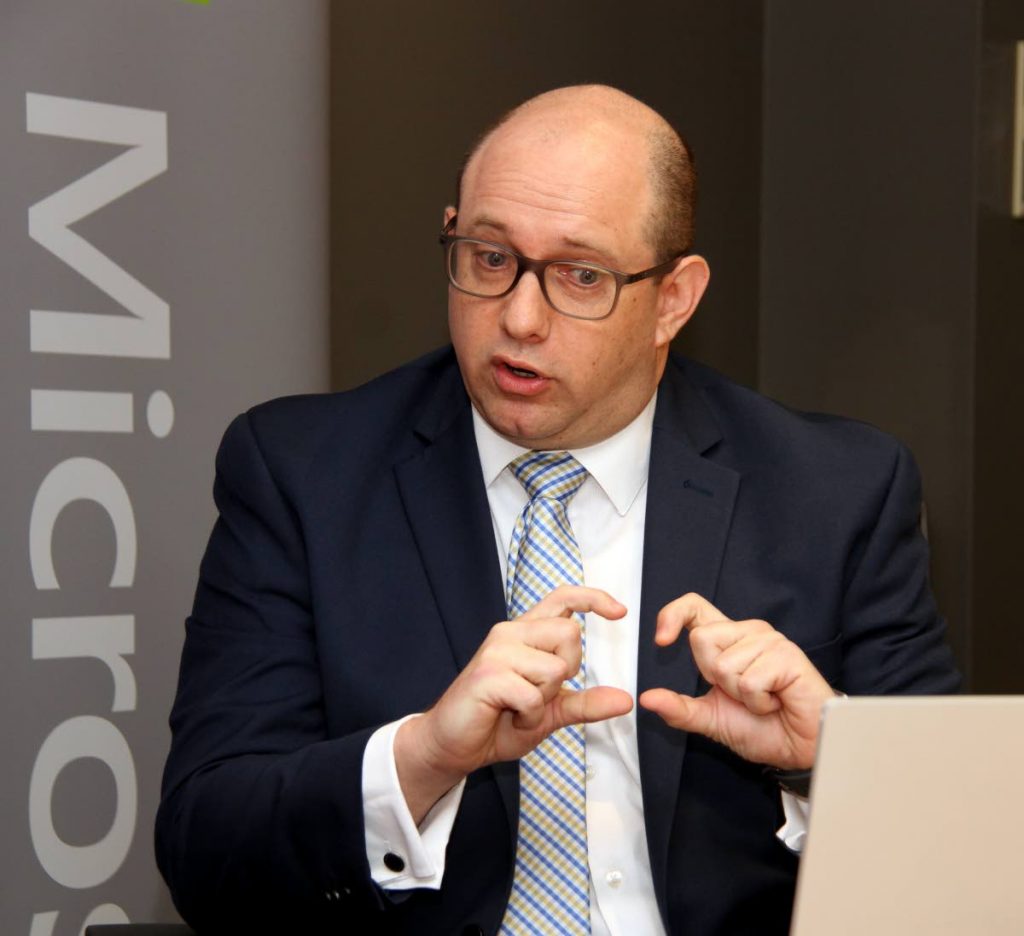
{"x": 508, "y": 698}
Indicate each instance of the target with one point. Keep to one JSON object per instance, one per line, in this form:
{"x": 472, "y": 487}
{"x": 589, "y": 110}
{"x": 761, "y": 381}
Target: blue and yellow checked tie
{"x": 551, "y": 886}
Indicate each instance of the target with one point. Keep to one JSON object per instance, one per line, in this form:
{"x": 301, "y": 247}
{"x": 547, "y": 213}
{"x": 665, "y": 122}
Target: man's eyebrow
{"x": 584, "y": 245}
{"x": 569, "y": 242}
{"x": 484, "y": 221}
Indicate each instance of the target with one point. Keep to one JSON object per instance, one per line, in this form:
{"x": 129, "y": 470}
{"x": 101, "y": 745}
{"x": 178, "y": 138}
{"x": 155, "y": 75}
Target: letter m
{"x": 145, "y": 331}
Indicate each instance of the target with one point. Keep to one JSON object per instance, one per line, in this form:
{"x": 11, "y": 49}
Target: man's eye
{"x": 492, "y": 259}
{"x": 585, "y": 276}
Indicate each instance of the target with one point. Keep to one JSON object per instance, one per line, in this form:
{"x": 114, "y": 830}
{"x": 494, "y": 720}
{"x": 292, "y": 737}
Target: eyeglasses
{"x": 574, "y": 288}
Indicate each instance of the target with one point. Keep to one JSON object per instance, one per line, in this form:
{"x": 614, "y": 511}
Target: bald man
{"x": 360, "y": 747}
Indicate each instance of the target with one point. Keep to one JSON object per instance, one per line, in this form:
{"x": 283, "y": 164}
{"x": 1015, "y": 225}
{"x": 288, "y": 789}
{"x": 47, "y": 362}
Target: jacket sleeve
{"x": 260, "y": 809}
{"x": 893, "y": 638}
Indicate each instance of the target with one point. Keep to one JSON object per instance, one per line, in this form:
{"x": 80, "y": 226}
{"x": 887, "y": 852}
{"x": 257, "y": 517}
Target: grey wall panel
{"x": 163, "y": 183}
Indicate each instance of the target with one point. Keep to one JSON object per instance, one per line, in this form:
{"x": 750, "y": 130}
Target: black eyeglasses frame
{"x": 538, "y": 268}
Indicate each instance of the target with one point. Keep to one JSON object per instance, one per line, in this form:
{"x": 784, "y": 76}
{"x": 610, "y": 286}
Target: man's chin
{"x": 523, "y": 429}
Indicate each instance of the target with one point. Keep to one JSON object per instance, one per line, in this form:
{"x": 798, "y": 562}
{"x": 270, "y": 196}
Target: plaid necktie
{"x": 551, "y": 886}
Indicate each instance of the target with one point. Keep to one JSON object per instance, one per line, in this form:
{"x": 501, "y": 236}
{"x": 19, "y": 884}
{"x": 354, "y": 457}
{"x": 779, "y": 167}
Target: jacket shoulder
{"x": 293, "y": 431}
{"x": 766, "y": 435}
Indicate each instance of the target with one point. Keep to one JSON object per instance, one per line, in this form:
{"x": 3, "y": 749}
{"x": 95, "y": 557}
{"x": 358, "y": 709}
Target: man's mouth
{"x": 515, "y": 378}
{"x": 521, "y": 371}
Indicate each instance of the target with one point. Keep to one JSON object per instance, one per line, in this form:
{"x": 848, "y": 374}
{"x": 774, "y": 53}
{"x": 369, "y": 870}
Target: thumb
{"x": 681, "y": 711}
{"x": 590, "y": 705}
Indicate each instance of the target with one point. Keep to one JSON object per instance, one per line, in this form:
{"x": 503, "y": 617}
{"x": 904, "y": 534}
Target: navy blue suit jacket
{"x": 352, "y": 573}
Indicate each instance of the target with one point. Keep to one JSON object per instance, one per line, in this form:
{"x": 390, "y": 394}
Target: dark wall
{"x": 414, "y": 83}
{"x": 892, "y": 280}
{"x": 853, "y": 161}
{"x": 868, "y": 239}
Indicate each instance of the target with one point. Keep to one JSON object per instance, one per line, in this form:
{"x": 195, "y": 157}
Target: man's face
{"x": 539, "y": 378}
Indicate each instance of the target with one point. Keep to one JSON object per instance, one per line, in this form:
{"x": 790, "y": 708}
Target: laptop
{"x": 917, "y": 819}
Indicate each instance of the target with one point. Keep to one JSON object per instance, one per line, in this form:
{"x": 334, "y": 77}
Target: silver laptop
{"x": 917, "y": 819}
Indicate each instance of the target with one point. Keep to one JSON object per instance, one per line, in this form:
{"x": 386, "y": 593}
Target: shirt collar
{"x": 618, "y": 464}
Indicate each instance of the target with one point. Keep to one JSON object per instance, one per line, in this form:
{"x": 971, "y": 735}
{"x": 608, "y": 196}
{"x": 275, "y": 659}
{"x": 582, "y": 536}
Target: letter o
{"x": 82, "y": 866}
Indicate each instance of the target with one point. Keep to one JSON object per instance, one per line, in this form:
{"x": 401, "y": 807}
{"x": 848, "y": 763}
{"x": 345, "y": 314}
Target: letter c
{"x": 81, "y": 479}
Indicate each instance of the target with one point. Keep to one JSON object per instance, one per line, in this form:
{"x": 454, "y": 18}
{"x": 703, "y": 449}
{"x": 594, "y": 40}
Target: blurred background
{"x": 203, "y": 205}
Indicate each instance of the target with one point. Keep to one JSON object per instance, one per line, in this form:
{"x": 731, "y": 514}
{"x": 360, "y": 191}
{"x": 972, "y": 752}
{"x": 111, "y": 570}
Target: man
{"x": 356, "y": 742}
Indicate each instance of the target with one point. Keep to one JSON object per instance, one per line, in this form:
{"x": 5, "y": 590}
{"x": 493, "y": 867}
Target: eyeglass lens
{"x": 572, "y": 288}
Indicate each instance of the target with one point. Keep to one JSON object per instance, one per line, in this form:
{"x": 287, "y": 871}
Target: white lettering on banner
{"x": 81, "y": 411}
{"x": 145, "y": 333}
{"x": 98, "y": 411}
{"x": 107, "y": 638}
{"x": 82, "y": 866}
{"x": 103, "y": 915}
{"x": 142, "y": 331}
{"x": 43, "y": 923}
{"x": 81, "y": 479}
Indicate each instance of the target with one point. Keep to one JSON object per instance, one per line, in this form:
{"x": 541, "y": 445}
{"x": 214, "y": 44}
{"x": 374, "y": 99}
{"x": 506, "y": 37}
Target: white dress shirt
{"x": 607, "y": 517}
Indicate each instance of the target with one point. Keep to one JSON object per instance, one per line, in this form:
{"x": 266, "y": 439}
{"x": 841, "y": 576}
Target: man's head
{"x": 670, "y": 225}
{"x": 590, "y": 174}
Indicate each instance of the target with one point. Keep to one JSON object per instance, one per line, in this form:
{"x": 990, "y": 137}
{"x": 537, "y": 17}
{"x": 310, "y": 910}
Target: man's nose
{"x": 526, "y": 314}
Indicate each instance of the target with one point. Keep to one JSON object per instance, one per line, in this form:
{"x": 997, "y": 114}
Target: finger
{"x": 518, "y": 696}
{"x": 789, "y": 680}
{"x": 756, "y": 685}
{"x": 681, "y": 711}
{"x": 708, "y": 643}
{"x": 591, "y": 705}
{"x": 688, "y": 611}
{"x": 559, "y": 636}
{"x": 565, "y": 600}
{"x": 547, "y": 671}
{"x": 728, "y": 666}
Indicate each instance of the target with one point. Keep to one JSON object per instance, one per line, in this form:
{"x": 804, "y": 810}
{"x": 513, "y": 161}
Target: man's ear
{"x": 449, "y": 213}
{"x": 679, "y": 294}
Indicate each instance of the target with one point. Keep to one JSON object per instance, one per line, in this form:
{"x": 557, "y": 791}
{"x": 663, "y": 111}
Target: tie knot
{"x": 549, "y": 474}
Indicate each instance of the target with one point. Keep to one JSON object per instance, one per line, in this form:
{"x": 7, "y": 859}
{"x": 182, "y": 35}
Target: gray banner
{"x": 163, "y": 260}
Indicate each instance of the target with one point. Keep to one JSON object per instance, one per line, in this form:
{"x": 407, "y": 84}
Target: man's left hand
{"x": 766, "y": 697}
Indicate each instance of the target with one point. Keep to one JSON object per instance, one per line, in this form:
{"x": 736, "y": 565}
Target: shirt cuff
{"x": 415, "y": 856}
{"x": 793, "y": 833}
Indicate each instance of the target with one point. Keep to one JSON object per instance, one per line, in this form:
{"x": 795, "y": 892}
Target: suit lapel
{"x": 689, "y": 508}
{"x": 445, "y": 501}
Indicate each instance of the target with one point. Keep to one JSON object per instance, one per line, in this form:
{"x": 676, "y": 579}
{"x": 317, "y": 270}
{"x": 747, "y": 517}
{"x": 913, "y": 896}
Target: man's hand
{"x": 766, "y": 697}
{"x": 507, "y": 699}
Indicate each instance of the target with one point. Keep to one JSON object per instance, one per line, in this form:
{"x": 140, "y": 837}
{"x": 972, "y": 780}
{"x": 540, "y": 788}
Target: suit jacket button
{"x": 394, "y": 862}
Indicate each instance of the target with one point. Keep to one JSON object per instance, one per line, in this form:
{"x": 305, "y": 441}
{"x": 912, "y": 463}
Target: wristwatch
{"x": 797, "y": 782}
